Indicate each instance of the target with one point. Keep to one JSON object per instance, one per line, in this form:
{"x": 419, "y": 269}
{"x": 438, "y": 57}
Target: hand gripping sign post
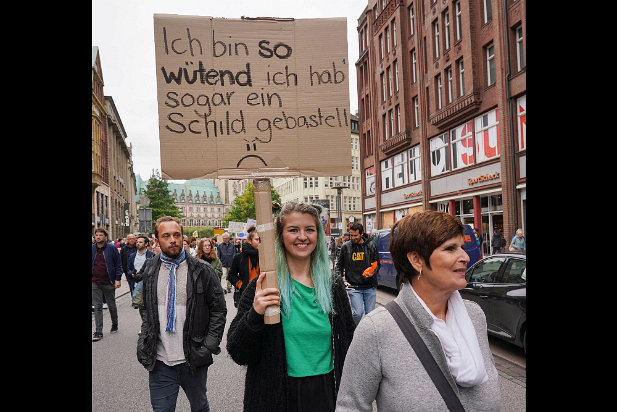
{"x": 253, "y": 98}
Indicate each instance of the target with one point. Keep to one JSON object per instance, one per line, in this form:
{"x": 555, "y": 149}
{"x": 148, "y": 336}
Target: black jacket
{"x": 205, "y": 313}
{"x": 348, "y": 263}
{"x": 262, "y": 347}
{"x": 240, "y": 266}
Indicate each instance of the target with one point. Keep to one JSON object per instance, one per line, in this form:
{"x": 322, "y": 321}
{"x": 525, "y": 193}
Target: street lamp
{"x": 339, "y": 188}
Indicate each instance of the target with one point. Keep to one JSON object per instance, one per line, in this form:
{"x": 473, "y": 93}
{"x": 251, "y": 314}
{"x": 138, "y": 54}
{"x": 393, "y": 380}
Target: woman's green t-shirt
{"x": 308, "y": 335}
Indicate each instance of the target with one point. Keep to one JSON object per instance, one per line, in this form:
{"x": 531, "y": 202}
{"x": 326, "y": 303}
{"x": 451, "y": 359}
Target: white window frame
{"x": 415, "y": 159}
{"x": 387, "y": 35}
{"x": 449, "y": 84}
{"x": 446, "y": 24}
{"x": 411, "y": 20}
{"x": 436, "y": 37}
{"x": 389, "y": 72}
{"x": 369, "y": 180}
{"x": 413, "y": 67}
{"x": 398, "y": 118}
{"x": 520, "y": 56}
{"x": 386, "y": 174}
{"x": 416, "y": 113}
{"x": 396, "y": 75}
{"x": 439, "y": 91}
{"x": 383, "y": 87}
{"x": 488, "y": 11}
{"x": 455, "y": 139}
{"x": 438, "y": 143}
{"x": 394, "y": 33}
{"x": 391, "y": 118}
{"x": 401, "y": 174}
{"x": 490, "y": 63}
{"x": 459, "y": 21}
{"x": 461, "y": 77}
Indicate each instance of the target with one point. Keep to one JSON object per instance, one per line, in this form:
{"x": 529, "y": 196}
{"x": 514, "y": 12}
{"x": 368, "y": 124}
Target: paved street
{"x": 120, "y": 382}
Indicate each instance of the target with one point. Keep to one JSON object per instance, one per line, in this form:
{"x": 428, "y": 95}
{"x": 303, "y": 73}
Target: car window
{"x": 486, "y": 271}
{"x": 515, "y": 271}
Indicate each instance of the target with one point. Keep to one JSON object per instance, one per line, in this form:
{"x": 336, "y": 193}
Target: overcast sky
{"x": 123, "y": 30}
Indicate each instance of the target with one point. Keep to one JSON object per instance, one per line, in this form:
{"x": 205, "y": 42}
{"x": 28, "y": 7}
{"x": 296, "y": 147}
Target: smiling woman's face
{"x": 299, "y": 235}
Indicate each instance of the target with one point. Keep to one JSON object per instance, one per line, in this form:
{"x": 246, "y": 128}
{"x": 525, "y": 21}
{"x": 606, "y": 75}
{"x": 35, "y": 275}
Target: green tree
{"x": 161, "y": 201}
{"x": 244, "y": 206}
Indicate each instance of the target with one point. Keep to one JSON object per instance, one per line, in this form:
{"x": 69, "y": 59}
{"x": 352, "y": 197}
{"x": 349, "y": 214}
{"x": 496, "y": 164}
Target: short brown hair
{"x": 422, "y": 233}
{"x": 100, "y": 229}
{"x": 166, "y": 219}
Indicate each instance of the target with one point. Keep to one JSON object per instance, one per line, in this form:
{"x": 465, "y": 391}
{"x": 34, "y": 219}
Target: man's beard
{"x": 170, "y": 254}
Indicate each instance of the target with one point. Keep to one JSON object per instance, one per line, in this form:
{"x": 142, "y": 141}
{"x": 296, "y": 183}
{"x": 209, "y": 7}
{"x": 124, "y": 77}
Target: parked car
{"x": 498, "y": 283}
{"x": 387, "y": 275}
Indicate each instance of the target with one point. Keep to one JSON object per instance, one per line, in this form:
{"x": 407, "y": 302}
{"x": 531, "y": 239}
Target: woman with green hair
{"x": 295, "y": 365}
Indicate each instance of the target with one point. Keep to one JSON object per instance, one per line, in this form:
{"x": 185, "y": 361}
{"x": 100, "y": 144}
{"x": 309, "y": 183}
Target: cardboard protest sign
{"x": 242, "y": 98}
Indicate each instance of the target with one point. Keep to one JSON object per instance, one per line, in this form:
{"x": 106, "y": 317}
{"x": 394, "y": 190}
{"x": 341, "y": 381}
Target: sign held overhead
{"x": 252, "y": 97}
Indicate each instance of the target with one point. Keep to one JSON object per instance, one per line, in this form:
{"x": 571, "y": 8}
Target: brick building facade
{"x": 442, "y": 110}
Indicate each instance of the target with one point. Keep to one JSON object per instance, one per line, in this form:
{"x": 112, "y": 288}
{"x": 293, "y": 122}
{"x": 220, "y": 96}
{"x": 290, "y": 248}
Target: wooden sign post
{"x": 265, "y": 228}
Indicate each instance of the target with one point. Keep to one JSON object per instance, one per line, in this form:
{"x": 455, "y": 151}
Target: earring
{"x": 420, "y": 274}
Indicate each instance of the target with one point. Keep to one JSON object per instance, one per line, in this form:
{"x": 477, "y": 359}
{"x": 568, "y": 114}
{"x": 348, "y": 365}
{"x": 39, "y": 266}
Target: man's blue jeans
{"x": 165, "y": 382}
{"x": 362, "y": 302}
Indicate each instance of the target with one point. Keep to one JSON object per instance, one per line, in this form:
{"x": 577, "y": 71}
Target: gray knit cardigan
{"x": 381, "y": 365}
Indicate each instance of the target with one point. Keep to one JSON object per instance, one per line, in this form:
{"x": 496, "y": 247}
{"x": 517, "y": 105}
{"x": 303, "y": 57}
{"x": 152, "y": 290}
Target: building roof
{"x": 193, "y": 186}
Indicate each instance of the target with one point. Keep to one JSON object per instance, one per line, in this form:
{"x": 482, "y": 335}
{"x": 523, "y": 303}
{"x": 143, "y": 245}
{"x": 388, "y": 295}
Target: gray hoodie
{"x": 381, "y": 365}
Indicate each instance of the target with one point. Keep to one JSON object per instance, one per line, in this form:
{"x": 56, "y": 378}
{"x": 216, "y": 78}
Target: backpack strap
{"x": 429, "y": 363}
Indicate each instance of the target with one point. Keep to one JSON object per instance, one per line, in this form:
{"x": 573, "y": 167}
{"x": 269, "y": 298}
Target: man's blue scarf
{"x": 172, "y": 264}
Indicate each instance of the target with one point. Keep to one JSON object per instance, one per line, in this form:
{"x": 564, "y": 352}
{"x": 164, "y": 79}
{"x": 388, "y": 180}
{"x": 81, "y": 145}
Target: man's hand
{"x": 370, "y": 271}
{"x": 117, "y": 284}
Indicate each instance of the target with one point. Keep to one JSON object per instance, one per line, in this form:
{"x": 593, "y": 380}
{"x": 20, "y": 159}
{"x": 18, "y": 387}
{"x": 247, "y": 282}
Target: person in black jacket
{"x": 184, "y": 320}
{"x": 358, "y": 263}
{"x": 294, "y": 365}
{"x": 245, "y": 265}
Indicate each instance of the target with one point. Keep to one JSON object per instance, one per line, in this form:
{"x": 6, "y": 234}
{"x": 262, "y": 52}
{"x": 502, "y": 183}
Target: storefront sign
{"x": 412, "y": 194}
{"x": 483, "y": 178}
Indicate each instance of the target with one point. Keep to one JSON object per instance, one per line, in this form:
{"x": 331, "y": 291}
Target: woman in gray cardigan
{"x": 427, "y": 251}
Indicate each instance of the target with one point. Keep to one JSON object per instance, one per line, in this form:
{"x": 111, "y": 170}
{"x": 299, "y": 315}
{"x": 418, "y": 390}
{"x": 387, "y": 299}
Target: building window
{"x": 522, "y": 122}
{"x": 462, "y": 146}
{"x": 440, "y": 156}
{"x": 461, "y": 77}
{"x": 459, "y": 26}
{"x": 383, "y": 87}
{"x": 449, "y": 84}
{"x": 400, "y": 169}
{"x": 488, "y": 11}
{"x": 490, "y": 64}
{"x": 385, "y": 126}
{"x": 520, "y": 56}
{"x": 391, "y": 115}
{"x": 394, "y": 33}
{"x": 387, "y": 35}
{"x": 486, "y": 129}
{"x": 436, "y": 38}
{"x": 398, "y": 118}
{"x": 416, "y": 113}
{"x": 411, "y": 20}
{"x": 446, "y": 29}
{"x": 381, "y": 46}
{"x": 415, "y": 172}
{"x": 389, "y": 81}
{"x": 396, "y": 76}
{"x": 414, "y": 78}
{"x": 438, "y": 88}
{"x": 386, "y": 174}
{"x": 370, "y": 181}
